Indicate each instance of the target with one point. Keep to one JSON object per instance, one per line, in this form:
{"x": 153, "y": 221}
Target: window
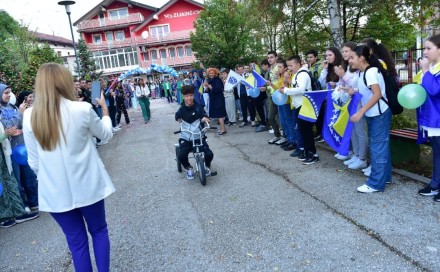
{"x": 159, "y": 31}
{"x": 188, "y": 51}
{"x": 153, "y": 54}
{"x": 116, "y": 58}
{"x": 118, "y": 14}
{"x": 97, "y": 38}
{"x": 172, "y": 53}
{"x": 119, "y": 35}
{"x": 180, "y": 52}
{"x": 109, "y": 36}
{"x": 146, "y": 56}
{"x": 163, "y": 53}
{"x": 59, "y": 53}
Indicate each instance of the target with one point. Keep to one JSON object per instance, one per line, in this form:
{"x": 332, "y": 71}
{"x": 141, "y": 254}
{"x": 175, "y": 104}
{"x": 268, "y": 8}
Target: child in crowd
{"x": 192, "y": 115}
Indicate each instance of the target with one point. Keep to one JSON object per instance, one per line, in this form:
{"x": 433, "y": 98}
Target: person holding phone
{"x": 73, "y": 195}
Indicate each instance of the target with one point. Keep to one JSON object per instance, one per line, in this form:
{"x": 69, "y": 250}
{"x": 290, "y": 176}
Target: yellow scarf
{"x": 434, "y": 70}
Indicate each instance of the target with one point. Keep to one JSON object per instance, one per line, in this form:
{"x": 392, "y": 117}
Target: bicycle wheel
{"x": 201, "y": 172}
{"x": 179, "y": 165}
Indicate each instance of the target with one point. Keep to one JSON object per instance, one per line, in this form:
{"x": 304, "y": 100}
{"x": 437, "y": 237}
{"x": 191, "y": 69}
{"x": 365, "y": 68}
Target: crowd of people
{"x": 355, "y": 68}
{"x": 46, "y": 184}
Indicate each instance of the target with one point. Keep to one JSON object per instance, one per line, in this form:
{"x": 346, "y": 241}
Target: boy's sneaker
{"x": 297, "y": 153}
{"x": 244, "y": 124}
{"x": 34, "y": 208}
{"x": 273, "y": 140}
{"x": 366, "y": 189}
{"x": 207, "y": 171}
{"x": 437, "y": 198}
{"x": 27, "y": 209}
{"x": 281, "y": 141}
{"x": 302, "y": 157}
{"x": 26, "y": 217}
{"x": 261, "y": 128}
{"x": 7, "y": 224}
{"x": 428, "y": 191}
{"x": 319, "y": 139}
{"x": 190, "y": 173}
{"x": 311, "y": 159}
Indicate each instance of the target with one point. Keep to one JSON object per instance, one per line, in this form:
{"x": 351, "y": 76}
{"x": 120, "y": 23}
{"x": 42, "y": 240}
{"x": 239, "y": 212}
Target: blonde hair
{"x": 53, "y": 81}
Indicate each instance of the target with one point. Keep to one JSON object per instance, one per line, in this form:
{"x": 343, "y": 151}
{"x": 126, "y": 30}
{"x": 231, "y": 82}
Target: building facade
{"x": 62, "y": 47}
{"x": 123, "y": 34}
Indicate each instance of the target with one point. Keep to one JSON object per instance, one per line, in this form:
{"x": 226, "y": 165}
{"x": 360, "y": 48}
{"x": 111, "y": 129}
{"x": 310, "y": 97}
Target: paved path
{"x": 264, "y": 211}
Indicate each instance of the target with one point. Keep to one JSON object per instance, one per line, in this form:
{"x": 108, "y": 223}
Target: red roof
{"x": 52, "y": 39}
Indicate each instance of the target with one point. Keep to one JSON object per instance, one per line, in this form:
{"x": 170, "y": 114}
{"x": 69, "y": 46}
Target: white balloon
{"x": 13, "y": 99}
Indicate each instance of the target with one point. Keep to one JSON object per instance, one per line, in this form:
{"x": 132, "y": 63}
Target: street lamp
{"x": 67, "y": 4}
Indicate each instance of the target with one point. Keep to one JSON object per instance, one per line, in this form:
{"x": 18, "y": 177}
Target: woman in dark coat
{"x": 217, "y": 108}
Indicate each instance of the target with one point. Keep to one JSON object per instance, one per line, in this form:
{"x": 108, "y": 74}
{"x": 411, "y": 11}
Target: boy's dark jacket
{"x": 191, "y": 115}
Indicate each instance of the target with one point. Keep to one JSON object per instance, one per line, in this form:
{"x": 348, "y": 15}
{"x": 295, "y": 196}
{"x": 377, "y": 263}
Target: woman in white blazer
{"x": 72, "y": 180}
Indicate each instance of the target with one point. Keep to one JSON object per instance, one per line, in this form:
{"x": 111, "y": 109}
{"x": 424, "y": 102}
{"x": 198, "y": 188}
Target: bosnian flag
{"x": 232, "y": 80}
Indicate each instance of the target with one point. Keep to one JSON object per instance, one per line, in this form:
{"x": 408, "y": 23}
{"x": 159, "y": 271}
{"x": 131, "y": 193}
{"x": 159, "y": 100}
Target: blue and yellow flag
{"x": 337, "y": 127}
{"x": 312, "y": 102}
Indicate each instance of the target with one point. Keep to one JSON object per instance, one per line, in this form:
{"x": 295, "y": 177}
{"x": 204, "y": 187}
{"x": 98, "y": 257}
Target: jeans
{"x": 289, "y": 126}
{"x": 297, "y": 133}
{"x": 27, "y": 184}
{"x": 380, "y": 155}
{"x": 72, "y": 224}
{"x": 435, "y": 143}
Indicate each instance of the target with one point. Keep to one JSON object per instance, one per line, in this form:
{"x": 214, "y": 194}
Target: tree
{"x": 37, "y": 57}
{"x": 88, "y": 67}
{"x": 224, "y": 36}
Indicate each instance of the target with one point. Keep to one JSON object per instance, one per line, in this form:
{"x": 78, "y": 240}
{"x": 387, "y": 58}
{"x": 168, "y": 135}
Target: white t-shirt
{"x": 372, "y": 77}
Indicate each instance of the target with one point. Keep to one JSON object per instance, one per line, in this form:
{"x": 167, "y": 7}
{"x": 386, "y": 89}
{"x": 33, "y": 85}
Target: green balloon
{"x": 411, "y": 96}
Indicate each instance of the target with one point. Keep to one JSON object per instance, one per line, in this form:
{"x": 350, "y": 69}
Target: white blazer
{"x": 72, "y": 175}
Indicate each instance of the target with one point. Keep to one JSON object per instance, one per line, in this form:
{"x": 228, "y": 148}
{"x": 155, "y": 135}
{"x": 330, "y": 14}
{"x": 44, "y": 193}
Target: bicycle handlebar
{"x": 202, "y": 130}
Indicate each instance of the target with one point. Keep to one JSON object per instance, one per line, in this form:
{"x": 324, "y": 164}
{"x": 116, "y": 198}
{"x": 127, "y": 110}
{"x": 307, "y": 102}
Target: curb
{"x": 394, "y": 170}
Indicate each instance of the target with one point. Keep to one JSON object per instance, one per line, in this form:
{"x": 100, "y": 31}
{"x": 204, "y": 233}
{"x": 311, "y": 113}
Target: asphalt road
{"x": 264, "y": 211}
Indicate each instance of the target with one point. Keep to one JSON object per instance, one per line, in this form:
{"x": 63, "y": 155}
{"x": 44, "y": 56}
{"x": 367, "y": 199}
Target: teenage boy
{"x": 243, "y": 95}
{"x": 193, "y": 116}
{"x": 315, "y": 68}
{"x": 301, "y": 82}
{"x": 272, "y": 58}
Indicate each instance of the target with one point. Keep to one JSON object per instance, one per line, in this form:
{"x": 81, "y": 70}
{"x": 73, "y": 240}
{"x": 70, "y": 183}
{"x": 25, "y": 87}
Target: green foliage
{"x": 405, "y": 120}
{"x": 224, "y": 35}
{"x": 37, "y": 57}
{"x": 88, "y": 65}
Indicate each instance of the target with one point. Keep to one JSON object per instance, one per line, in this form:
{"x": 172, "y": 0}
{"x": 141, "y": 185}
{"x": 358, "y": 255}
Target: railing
{"x": 170, "y": 61}
{"x": 106, "y": 22}
{"x": 169, "y": 38}
{"x": 407, "y": 64}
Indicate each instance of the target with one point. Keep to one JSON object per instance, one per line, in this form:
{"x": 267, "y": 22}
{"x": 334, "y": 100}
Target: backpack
{"x": 392, "y": 88}
{"x": 316, "y": 86}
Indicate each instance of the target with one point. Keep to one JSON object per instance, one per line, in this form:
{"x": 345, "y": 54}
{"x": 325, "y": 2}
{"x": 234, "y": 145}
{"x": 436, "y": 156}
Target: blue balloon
{"x": 279, "y": 98}
{"x": 19, "y": 154}
{"x": 254, "y": 92}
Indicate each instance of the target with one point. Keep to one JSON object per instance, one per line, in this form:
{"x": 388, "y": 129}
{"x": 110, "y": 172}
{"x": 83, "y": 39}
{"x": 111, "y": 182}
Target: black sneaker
{"x": 7, "y": 224}
{"x": 437, "y": 198}
{"x": 311, "y": 160}
{"x": 297, "y": 153}
{"x": 290, "y": 147}
{"x": 428, "y": 191}
{"x": 283, "y": 145}
{"x": 302, "y": 157}
{"x": 319, "y": 139}
{"x": 26, "y": 217}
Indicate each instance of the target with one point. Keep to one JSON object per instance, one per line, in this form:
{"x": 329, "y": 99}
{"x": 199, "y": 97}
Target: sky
{"x": 46, "y": 16}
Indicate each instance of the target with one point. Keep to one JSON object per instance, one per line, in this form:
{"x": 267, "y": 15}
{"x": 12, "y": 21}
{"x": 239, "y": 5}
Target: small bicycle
{"x": 198, "y": 153}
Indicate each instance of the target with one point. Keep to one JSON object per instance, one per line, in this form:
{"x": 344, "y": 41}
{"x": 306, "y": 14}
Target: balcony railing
{"x": 171, "y": 37}
{"x": 106, "y": 22}
{"x": 172, "y": 62}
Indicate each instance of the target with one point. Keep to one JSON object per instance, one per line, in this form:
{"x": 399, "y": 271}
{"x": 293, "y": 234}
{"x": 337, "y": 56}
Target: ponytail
{"x": 370, "y": 58}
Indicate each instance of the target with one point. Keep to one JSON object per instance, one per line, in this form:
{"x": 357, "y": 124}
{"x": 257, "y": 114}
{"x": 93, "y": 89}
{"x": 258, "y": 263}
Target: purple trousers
{"x": 73, "y": 226}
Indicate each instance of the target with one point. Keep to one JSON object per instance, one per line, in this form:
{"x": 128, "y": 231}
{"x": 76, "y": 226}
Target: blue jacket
{"x": 428, "y": 113}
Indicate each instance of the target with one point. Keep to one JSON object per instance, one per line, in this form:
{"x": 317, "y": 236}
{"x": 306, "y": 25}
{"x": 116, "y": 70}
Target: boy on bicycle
{"x": 192, "y": 116}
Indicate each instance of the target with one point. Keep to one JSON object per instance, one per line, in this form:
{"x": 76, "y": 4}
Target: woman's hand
{"x": 339, "y": 71}
{"x": 101, "y": 101}
{"x": 325, "y": 64}
{"x": 424, "y": 64}
{"x": 23, "y": 107}
{"x": 11, "y": 131}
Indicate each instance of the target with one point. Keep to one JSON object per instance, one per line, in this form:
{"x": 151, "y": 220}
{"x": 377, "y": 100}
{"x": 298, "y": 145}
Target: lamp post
{"x": 67, "y": 5}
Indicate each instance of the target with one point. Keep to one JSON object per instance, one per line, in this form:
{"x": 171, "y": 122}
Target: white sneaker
{"x": 337, "y": 155}
{"x": 280, "y": 141}
{"x": 102, "y": 143}
{"x": 367, "y": 168}
{"x": 366, "y": 189}
{"x": 273, "y": 140}
{"x": 115, "y": 129}
{"x": 271, "y": 131}
{"x": 341, "y": 157}
{"x": 351, "y": 160}
{"x": 368, "y": 172}
{"x": 118, "y": 126}
{"x": 358, "y": 164}
{"x": 190, "y": 173}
